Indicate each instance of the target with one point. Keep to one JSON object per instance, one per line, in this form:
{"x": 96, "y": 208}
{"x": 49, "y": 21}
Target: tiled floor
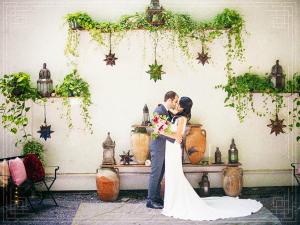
{"x": 284, "y": 202}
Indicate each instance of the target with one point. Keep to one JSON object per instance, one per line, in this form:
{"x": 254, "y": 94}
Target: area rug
{"x": 123, "y": 213}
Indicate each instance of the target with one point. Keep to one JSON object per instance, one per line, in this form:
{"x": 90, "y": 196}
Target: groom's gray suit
{"x": 157, "y": 151}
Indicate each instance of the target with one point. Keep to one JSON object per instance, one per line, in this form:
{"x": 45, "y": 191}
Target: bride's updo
{"x": 186, "y": 103}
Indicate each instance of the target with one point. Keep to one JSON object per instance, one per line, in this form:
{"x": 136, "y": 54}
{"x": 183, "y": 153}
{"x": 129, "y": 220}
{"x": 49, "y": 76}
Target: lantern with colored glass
{"x": 44, "y": 83}
{"x": 277, "y": 77}
{"x": 233, "y": 153}
{"x": 146, "y": 117}
{"x": 218, "y": 156}
{"x": 108, "y": 151}
{"x": 154, "y": 13}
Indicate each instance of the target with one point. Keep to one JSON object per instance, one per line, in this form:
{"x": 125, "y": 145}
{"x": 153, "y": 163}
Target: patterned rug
{"x": 136, "y": 213}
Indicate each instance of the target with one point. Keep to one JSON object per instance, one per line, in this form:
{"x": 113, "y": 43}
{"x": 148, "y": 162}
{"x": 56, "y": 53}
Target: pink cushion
{"x": 17, "y": 171}
{"x": 4, "y": 173}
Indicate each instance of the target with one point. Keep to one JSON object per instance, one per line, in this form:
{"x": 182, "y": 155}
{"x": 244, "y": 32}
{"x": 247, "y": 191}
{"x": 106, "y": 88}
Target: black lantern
{"x": 218, "y": 156}
{"x": 146, "y": 117}
{"x": 277, "y": 77}
{"x": 233, "y": 153}
{"x": 108, "y": 151}
{"x": 154, "y": 13}
{"x": 204, "y": 185}
{"x": 44, "y": 83}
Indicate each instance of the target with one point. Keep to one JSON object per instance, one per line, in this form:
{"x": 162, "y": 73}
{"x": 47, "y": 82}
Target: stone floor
{"x": 283, "y": 202}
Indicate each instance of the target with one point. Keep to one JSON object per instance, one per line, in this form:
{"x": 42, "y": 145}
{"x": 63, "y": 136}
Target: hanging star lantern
{"x": 110, "y": 59}
{"x": 45, "y": 131}
{"x": 203, "y": 57}
{"x": 276, "y": 126}
{"x": 126, "y": 158}
{"x": 155, "y": 71}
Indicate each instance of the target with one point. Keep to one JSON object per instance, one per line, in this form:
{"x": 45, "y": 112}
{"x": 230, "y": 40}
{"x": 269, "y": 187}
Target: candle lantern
{"x": 204, "y": 185}
{"x": 44, "y": 83}
{"x": 277, "y": 77}
{"x": 154, "y": 13}
{"x": 146, "y": 117}
{"x": 108, "y": 151}
{"x": 233, "y": 153}
{"x": 218, "y": 156}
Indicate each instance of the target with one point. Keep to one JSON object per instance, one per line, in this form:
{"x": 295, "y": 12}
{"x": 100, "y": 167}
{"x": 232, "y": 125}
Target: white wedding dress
{"x": 182, "y": 202}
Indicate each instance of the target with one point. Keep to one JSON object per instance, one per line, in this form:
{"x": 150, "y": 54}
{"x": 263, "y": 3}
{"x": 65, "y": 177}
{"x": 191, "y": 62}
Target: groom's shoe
{"x": 153, "y": 205}
{"x": 160, "y": 201}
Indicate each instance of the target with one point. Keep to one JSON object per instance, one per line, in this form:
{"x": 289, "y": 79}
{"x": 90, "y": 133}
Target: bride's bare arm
{"x": 178, "y": 134}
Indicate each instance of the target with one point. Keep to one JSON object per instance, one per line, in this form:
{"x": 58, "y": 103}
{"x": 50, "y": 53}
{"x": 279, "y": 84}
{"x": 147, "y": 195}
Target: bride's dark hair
{"x": 186, "y": 103}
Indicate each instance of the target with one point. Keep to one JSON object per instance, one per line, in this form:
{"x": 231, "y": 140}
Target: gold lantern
{"x": 154, "y": 13}
{"x": 108, "y": 151}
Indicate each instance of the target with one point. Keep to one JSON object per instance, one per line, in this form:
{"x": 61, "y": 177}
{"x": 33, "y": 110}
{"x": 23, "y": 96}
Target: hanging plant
{"x": 182, "y": 26}
{"x": 16, "y": 89}
{"x": 74, "y": 86}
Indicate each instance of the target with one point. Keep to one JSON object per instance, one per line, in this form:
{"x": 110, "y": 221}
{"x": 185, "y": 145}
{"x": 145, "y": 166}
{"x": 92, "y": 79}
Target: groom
{"x": 157, "y": 151}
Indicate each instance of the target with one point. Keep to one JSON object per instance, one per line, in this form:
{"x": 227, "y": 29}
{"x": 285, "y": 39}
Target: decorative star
{"x": 203, "y": 57}
{"x": 110, "y": 59}
{"x": 126, "y": 158}
{"x": 276, "y": 126}
{"x": 45, "y": 131}
{"x": 155, "y": 71}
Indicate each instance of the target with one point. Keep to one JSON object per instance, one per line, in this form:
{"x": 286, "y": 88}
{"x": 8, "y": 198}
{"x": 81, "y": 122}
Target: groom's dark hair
{"x": 170, "y": 94}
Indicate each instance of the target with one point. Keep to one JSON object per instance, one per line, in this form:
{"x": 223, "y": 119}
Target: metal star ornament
{"x": 45, "y": 131}
{"x": 155, "y": 71}
{"x": 126, "y": 158}
{"x": 276, "y": 126}
{"x": 203, "y": 57}
{"x": 110, "y": 59}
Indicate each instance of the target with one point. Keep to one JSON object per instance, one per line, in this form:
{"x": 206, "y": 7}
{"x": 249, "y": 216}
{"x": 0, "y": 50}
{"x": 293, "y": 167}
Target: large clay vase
{"x": 108, "y": 184}
{"x": 140, "y": 146}
{"x": 195, "y": 144}
{"x": 233, "y": 181}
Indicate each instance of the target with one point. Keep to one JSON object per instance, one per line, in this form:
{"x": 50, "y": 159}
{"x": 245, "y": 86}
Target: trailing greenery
{"x": 74, "y": 86}
{"x": 16, "y": 89}
{"x": 240, "y": 91}
{"x": 182, "y": 26}
{"x": 35, "y": 147}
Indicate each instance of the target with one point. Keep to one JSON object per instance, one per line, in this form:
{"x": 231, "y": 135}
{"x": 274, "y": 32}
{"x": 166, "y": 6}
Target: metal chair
{"x": 296, "y": 174}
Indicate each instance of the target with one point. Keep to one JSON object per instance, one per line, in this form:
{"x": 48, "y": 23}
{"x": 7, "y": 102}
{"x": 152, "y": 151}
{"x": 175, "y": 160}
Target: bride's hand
{"x": 179, "y": 139}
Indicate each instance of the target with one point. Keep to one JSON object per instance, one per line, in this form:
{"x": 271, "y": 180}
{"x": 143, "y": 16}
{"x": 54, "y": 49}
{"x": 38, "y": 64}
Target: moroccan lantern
{"x": 204, "y": 185}
{"x": 44, "y": 83}
{"x": 277, "y": 77}
{"x": 154, "y": 13}
{"x": 146, "y": 117}
{"x": 233, "y": 153}
{"x": 108, "y": 151}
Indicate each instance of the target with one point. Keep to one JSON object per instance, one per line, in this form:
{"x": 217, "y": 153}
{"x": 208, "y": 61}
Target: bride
{"x": 180, "y": 199}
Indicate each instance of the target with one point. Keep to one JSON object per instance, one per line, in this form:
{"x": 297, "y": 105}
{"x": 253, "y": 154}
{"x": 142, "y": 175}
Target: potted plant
{"x": 34, "y": 147}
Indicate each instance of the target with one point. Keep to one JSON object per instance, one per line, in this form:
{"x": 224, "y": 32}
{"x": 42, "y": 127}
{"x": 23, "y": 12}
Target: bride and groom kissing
{"x": 180, "y": 199}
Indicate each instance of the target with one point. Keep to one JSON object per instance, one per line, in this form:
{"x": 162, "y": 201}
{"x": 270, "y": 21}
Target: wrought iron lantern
{"x": 44, "y": 83}
{"x": 218, "y": 156}
{"x": 108, "y": 151}
{"x": 233, "y": 153}
{"x": 204, "y": 185}
{"x": 146, "y": 117}
{"x": 154, "y": 13}
{"x": 277, "y": 77}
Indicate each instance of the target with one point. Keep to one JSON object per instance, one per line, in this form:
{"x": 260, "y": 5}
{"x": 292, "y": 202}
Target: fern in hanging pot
{"x": 74, "y": 86}
{"x": 16, "y": 89}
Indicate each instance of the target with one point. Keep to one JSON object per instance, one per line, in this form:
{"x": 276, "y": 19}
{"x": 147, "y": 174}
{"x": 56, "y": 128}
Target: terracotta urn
{"x": 195, "y": 143}
{"x": 233, "y": 181}
{"x": 108, "y": 184}
{"x": 140, "y": 146}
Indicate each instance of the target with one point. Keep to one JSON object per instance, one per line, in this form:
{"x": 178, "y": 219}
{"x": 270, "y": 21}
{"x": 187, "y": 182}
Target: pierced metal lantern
{"x": 108, "y": 151}
{"x": 146, "y": 117}
{"x": 204, "y": 185}
{"x": 218, "y": 156}
{"x": 233, "y": 153}
{"x": 277, "y": 77}
{"x": 154, "y": 13}
{"x": 44, "y": 83}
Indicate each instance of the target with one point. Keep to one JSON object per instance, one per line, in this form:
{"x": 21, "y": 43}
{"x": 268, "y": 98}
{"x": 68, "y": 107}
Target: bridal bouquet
{"x": 160, "y": 124}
